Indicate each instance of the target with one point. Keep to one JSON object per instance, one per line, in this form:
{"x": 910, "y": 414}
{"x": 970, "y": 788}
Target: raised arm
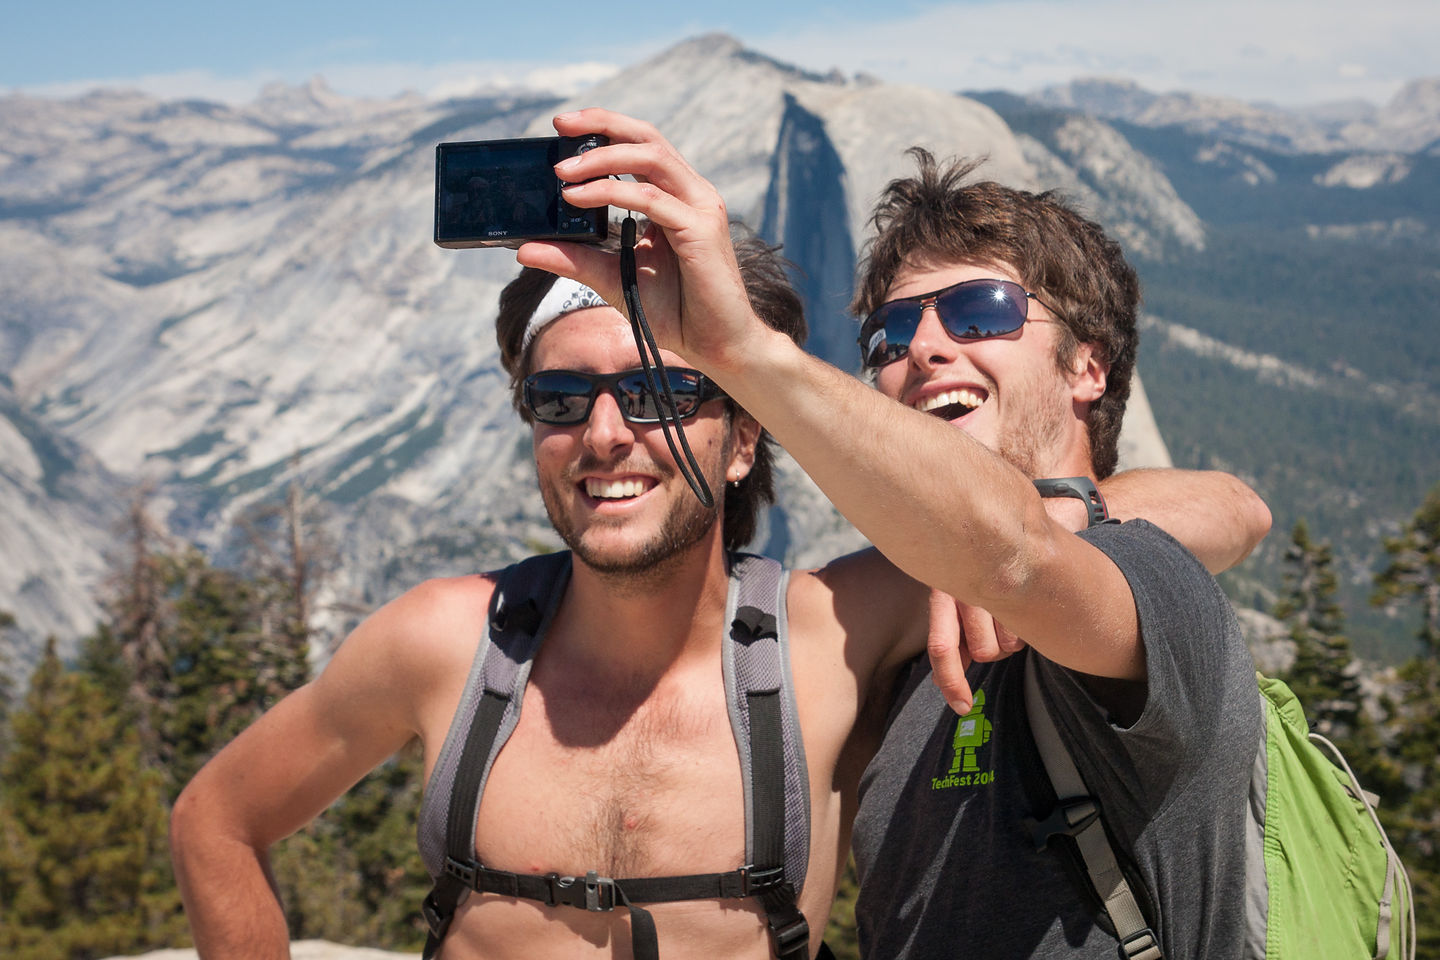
{"x": 288, "y": 767}
{"x": 939, "y": 504}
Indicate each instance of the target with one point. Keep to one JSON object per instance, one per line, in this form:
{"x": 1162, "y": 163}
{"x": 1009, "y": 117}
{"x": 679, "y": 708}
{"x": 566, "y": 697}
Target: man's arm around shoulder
{"x": 1216, "y": 516}
{"x": 304, "y": 753}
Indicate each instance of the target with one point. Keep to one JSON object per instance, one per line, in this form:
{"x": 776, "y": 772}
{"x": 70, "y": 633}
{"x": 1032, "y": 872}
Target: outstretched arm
{"x": 940, "y": 505}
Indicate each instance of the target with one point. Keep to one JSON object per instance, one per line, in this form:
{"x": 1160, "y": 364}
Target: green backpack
{"x": 1332, "y": 887}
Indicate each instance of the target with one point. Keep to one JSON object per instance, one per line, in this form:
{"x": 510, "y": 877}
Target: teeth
{"x": 614, "y": 489}
{"x": 967, "y": 397}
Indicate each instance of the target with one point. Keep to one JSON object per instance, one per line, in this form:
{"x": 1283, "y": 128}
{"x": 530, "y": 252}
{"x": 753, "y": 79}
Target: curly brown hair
{"x": 772, "y": 298}
{"x": 934, "y": 217}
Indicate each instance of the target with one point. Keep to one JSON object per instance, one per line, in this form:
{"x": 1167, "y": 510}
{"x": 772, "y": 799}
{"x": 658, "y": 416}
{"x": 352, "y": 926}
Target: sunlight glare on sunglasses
{"x": 970, "y": 310}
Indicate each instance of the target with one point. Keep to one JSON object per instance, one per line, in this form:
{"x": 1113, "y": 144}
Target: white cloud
{"x": 356, "y": 80}
{"x": 565, "y": 80}
{"x": 182, "y": 85}
{"x": 1285, "y": 51}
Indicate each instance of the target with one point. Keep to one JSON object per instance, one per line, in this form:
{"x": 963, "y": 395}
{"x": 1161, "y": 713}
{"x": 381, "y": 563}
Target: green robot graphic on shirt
{"x": 972, "y": 731}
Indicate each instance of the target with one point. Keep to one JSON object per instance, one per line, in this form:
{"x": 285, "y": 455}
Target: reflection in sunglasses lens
{"x": 970, "y": 310}
{"x": 565, "y": 397}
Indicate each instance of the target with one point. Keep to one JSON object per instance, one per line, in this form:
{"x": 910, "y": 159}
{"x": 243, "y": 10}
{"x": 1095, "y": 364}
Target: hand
{"x": 690, "y": 284}
{"x": 959, "y": 635}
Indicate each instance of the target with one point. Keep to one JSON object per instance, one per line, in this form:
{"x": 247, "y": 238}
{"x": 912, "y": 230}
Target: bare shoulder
{"x": 863, "y": 589}
{"x": 862, "y": 606}
{"x": 433, "y": 617}
{"x": 414, "y": 646}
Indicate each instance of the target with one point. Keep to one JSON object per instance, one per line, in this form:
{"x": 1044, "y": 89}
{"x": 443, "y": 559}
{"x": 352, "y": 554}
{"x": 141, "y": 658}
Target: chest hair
{"x": 634, "y": 781}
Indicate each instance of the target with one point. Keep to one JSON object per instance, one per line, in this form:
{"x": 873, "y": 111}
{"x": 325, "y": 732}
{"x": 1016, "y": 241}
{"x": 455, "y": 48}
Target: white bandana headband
{"x": 565, "y": 296}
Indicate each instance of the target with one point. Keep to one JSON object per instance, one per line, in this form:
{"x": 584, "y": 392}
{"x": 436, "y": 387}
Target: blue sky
{"x": 1285, "y": 51}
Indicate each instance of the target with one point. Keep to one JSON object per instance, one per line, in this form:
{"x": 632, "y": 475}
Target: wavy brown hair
{"x": 935, "y": 218}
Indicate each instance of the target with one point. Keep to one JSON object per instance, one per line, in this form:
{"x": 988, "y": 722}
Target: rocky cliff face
{"x": 224, "y": 300}
{"x": 56, "y": 514}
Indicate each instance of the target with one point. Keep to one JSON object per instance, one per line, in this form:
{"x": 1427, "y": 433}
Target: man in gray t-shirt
{"x": 1010, "y": 316}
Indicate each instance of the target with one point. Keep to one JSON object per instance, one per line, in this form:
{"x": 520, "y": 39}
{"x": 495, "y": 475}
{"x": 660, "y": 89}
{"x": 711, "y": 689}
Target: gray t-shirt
{"x": 948, "y": 867}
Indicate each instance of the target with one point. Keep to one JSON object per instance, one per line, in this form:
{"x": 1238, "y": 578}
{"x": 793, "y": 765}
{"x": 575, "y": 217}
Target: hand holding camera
{"x": 689, "y": 280}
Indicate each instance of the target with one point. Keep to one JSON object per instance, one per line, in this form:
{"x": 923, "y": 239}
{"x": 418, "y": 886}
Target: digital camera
{"x": 501, "y": 193}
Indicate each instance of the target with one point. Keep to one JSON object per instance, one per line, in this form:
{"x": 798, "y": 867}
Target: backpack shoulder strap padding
{"x": 756, "y": 667}
{"x": 1079, "y": 817}
{"x": 765, "y": 720}
{"x": 523, "y": 602}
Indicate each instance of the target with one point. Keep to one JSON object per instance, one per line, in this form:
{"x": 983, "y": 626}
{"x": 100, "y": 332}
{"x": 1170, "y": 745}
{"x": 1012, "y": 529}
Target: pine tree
{"x": 1324, "y": 675}
{"x": 21, "y": 895}
{"x": 135, "y": 608}
{"x": 1413, "y": 576}
{"x": 199, "y": 651}
{"x": 7, "y": 689}
{"x": 212, "y": 641}
{"x": 82, "y": 839}
{"x": 1413, "y": 573}
{"x": 102, "y": 659}
{"x": 191, "y": 655}
{"x": 288, "y": 557}
{"x": 354, "y": 874}
{"x": 840, "y": 933}
{"x": 376, "y": 821}
{"x": 318, "y": 883}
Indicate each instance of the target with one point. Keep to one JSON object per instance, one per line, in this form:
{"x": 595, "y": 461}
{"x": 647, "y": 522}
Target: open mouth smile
{"x": 598, "y": 488}
{"x": 951, "y": 404}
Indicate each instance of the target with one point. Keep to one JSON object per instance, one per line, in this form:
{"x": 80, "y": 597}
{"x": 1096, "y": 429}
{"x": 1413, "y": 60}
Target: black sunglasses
{"x": 565, "y": 397}
{"x": 970, "y": 310}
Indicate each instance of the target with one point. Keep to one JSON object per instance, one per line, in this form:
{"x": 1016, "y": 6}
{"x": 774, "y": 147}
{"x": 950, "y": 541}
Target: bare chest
{"x": 624, "y": 784}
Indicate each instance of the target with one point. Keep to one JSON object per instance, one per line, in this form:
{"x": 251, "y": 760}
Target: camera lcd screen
{"x": 502, "y": 192}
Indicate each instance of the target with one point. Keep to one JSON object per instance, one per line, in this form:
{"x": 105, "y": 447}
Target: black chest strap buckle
{"x": 591, "y": 892}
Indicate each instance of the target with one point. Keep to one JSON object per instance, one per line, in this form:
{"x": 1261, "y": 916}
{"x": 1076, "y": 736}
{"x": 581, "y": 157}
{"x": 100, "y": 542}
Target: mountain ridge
{"x": 226, "y": 300}
{"x": 1409, "y": 122}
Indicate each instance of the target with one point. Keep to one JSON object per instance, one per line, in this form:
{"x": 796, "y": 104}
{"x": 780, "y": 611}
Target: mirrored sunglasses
{"x": 970, "y": 310}
{"x": 565, "y": 397}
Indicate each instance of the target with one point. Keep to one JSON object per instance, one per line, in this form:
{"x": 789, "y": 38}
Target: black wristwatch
{"x": 1078, "y": 488}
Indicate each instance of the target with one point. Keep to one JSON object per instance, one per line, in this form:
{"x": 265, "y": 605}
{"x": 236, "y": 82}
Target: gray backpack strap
{"x": 1078, "y": 815}
{"x": 765, "y": 721}
{"x": 520, "y": 608}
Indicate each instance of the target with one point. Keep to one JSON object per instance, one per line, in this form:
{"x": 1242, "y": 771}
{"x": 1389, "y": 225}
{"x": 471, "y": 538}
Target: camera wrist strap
{"x": 655, "y": 376}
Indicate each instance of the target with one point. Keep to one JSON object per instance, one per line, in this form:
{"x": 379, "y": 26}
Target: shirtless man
{"x": 623, "y": 761}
